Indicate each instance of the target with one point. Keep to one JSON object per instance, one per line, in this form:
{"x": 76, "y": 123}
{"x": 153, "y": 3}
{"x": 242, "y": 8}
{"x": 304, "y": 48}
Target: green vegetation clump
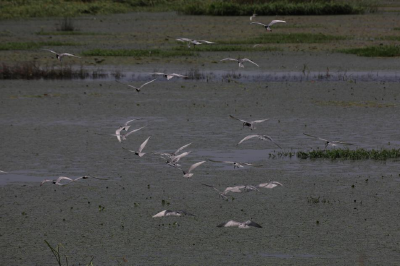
{"x": 227, "y": 48}
{"x": 288, "y": 38}
{"x": 346, "y": 154}
{"x": 31, "y": 45}
{"x": 139, "y": 53}
{"x": 374, "y": 51}
{"x": 271, "y": 8}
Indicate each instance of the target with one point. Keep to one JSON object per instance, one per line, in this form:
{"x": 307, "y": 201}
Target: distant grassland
{"x": 139, "y": 53}
{"x": 31, "y": 45}
{"x": 374, "y": 51}
{"x": 287, "y": 38}
{"x": 70, "y": 8}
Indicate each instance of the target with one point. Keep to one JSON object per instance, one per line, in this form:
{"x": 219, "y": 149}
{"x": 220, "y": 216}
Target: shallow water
{"x": 68, "y": 134}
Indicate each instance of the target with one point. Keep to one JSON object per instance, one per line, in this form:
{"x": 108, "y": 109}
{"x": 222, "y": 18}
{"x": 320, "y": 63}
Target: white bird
{"x": 87, "y": 177}
{"x": 194, "y": 42}
{"x": 169, "y": 76}
{"x": 2, "y": 172}
{"x": 250, "y": 124}
{"x": 236, "y": 164}
{"x": 253, "y": 16}
{"x": 172, "y": 154}
{"x": 57, "y": 181}
{"x": 262, "y": 137}
{"x": 240, "y": 61}
{"x": 60, "y": 56}
{"x": 121, "y": 137}
{"x": 271, "y": 184}
{"x": 137, "y": 88}
{"x": 244, "y": 225}
{"x": 189, "y": 172}
{"x": 332, "y": 143}
{"x": 173, "y": 160}
{"x": 139, "y": 152}
{"x": 267, "y": 27}
{"x": 172, "y": 213}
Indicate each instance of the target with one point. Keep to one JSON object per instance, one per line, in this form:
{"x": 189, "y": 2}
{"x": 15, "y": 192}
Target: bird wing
{"x": 205, "y": 41}
{"x": 231, "y": 59}
{"x": 248, "y": 60}
{"x": 247, "y": 138}
{"x": 158, "y": 73}
{"x": 259, "y": 23}
{"x": 63, "y": 178}
{"x": 244, "y": 121}
{"x": 178, "y": 75}
{"x": 229, "y": 224}
{"x": 315, "y": 137}
{"x": 133, "y": 131}
{"x": 195, "y": 165}
{"x": 147, "y": 83}
{"x": 275, "y": 21}
{"x": 44, "y": 181}
{"x": 127, "y": 122}
{"x": 49, "y": 51}
{"x": 221, "y": 161}
{"x": 259, "y": 121}
{"x": 178, "y": 157}
{"x": 251, "y": 223}
{"x": 67, "y": 54}
{"x": 126, "y": 85}
{"x": 143, "y": 144}
{"x": 341, "y": 142}
{"x": 181, "y": 148}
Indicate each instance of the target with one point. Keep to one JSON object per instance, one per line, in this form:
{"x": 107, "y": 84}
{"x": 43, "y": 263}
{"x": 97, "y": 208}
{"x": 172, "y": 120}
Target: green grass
{"x": 374, "y": 51}
{"x": 358, "y": 154}
{"x": 272, "y": 8}
{"x": 287, "y": 38}
{"x": 139, "y": 53}
{"x": 226, "y": 48}
{"x": 31, "y": 45}
{"x": 11, "y": 9}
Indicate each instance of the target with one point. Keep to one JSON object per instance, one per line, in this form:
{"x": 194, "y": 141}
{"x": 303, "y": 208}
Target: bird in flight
{"x": 57, "y": 181}
{"x": 262, "y": 137}
{"x": 250, "y": 124}
{"x": 172, "y": 213}
{"x": 121, "y": 137}
{"x": 139, "y": 152}
{"x": 236, "y": 164}
{"x": 169, "y": 76}
{"x": 240, "y": 61}
{"x": 61, "y": 55}
{"x": 268, "y": 26}
{"x": 189, "y": 172}
{"x": 194, "y": 42}
{"x": 137, "y": 88}
{"x": 271, "y": 184}
{"x": 244, "y": 225}
{"x": 332, "y": 143}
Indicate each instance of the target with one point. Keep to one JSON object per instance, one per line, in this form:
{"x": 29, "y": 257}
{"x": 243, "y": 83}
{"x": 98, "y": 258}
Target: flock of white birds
{"x": 172, "y": 159}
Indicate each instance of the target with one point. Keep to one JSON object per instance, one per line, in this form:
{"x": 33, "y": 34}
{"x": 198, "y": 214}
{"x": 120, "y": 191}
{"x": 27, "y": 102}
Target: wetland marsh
{"x": 328, "y": 212}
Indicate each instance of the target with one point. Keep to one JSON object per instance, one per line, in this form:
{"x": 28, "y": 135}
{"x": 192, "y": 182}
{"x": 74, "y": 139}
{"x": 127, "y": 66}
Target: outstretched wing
{"x": 259, "y": 121}
{"x": 259, "y": 23}
{"x": 126, "y": 85}
{"x": 248, "y": 60}
{"x": 205, "y": 41}
{"x": 147, "y": 83}
{"x": 67, "y": 54}
{"x": 133, "y": 131}
{"x": 275, "y": 21}
{"x": 143, "y": 144}
{"x": 315, "y": 137}
{"x": 181, "y": 148}
{"x": 247, "y": 138}
{"x": 231, "y": 59}
{"x": 244, "y": 121}
{"x": 49, "y": 50}
{"x": 195, "y": 165}
{"x": 229, "y": 162}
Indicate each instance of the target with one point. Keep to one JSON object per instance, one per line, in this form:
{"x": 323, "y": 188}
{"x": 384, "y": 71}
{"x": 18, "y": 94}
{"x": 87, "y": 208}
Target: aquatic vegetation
{"x": 67, "y": 24}
{"x": 59, "y": 258}
{"x": 346, "y": 154}
{"x": 32, "y": 70}
{"x": 32, "y": 45}
{"x": 272, "y": 8}
{"x": 288, "y": 38}
{"x": 374, "y": 51}
{"x": 139, "y": 53}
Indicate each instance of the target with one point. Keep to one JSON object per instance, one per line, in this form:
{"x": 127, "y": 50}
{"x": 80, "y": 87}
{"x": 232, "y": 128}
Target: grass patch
{"x": 346, "y": 154}
{"x": 272, "y": 8}
{"x": 374, "y": 51}
{"x": 139, "y": 53}
{"x": 227, "y": 48}
{"x": 31, "y": 45}
{"x": 288, "y": 38}
{"x": 32, "y": 70}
